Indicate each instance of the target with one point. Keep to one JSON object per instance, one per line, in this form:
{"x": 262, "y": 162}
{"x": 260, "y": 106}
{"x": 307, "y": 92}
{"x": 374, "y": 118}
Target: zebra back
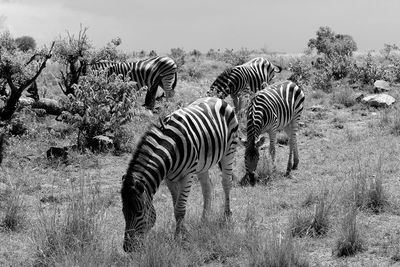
{"x": 274, "y": 107}
{"x": 190, "y": 140}
{"x": 250, "y": 75}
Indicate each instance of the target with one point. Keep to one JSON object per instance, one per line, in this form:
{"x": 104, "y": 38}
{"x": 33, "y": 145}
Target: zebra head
{"x": 138, "y": 210}
{"x": 251, "y": 157}
{"x": 221, "y": 87}
{"x": 271, "y": 70}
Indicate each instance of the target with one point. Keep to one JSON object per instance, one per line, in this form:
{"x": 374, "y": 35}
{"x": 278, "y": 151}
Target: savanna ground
{"x": 69, "y": 214}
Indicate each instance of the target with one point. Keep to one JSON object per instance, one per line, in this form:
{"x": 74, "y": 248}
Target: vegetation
{"x": 68, "y": 213}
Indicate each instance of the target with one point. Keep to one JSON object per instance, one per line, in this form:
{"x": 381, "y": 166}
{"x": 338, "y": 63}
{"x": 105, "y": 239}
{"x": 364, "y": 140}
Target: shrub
{"x": 301, "y": 72}
{"x": 366, "y": 72}
{"x": 178, "y": 55}
{"x": 235, "y": 58}
{"x": 349, "y": 241}
{"x": 322, "y": 80}
{"x": 14, "y": 212}
{"x": 344, "y": 96}
{"x": 101, "y": 106}
{"x": 277, "y": 251}
{"x": 368, "y": 193}
{"x": 311, "y": 224}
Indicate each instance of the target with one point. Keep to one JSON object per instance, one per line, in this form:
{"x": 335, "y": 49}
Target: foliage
{"x": 101, "y": 106}
{"x": 196, "y": 53}
{"x": 367, "y": 72}
{"x": 331, "y": 44}
{"x": 73, "y": 53}
{"x": 14, "y": 215}
{"x": 322, "y": 80}
{"x": 152, "y": 53}
{"x": 25, "y": 43}
{"x": 178, "y": 55}
{"x": 349, "y": 241}
{"x": 301, "y": 72}
{"x": 344, "y": 96}
{"x": 388, "y": 49}
{"x": 235, "y": 58}
{"x": 19, "y": 69}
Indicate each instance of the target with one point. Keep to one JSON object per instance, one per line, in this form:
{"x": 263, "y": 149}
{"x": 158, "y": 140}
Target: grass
{"x": 73, "y": 211}
{"x": 14, "y": 218}
{"x": 349, "y": 241}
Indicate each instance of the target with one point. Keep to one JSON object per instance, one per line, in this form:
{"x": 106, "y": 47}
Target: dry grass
{"x": 73, "y": 211}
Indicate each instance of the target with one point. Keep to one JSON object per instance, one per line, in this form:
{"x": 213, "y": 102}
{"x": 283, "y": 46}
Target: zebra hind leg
{"x": 227, "y": 175}
{"x": 206, "y": 187}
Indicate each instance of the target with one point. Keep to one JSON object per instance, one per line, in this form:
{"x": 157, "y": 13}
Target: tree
{"x": 331, "y": 44}
{"x": 73, "y": 53}
{"x": 19, "y": 69}
{"x": 26, "y": 43}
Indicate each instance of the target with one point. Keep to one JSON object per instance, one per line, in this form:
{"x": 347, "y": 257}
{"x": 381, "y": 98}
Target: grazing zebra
{"x": 277, "y": 107}
{"x": 152, "y": 72}
{"x": 234, "y": 81}
{"x": 189, "y": 141}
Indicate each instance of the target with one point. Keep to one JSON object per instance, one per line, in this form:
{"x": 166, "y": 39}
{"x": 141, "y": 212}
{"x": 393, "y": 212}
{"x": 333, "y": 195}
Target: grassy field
{"x": 344, "y": 196}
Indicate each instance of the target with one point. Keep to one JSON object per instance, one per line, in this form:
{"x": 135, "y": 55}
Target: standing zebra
{"x": 189, "y": 141}
{"x": 277, "y": 107}
{"x": 234, "y": 81}
{"x": 152, "y": 72}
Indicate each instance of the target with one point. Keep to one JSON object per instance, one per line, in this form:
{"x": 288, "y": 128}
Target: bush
{"x": 366, "y": 72}
{"x": 301, "y": 72}
{"x": 349, "y": 241}
{"x": 344, "y": 96}
{"x": 14, "y": 215}
{"x": 235, "y": 58}
{"x": 178, "y": 55}
{"x": 102, "y": 105}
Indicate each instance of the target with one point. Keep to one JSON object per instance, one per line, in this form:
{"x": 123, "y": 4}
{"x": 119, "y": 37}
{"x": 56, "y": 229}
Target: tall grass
{"x": 14, "y": 218}
{"x": 74, "y": 238}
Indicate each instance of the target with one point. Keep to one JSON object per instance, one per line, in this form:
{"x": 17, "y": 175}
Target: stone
{"x": 317, "y": 108}
{"x": 378, "y": 100}
{"x": 381, "y": 86}
{"x": 101, "y": 143}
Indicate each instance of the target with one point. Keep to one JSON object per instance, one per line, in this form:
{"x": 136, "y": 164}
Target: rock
{"x": 51, "y": 106}
{"x": 57, "y": 153}
{"x": 317, "y": 108}
{"x": 25, "y": 101}
{"x": 378, "y": 100}
{"x": 101, "y": 143}
{"x": 381, "y": 86}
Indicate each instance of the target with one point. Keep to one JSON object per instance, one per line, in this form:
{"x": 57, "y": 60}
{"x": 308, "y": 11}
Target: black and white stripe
{"x": 189, "y": 141}
{"x": 274, "y": 108}
{"x": 249, "y": 76}
{"x": 152, "y": 72}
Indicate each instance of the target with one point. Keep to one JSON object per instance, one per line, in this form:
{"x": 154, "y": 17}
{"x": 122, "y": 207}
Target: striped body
{"x": 152, "y": 72}
{"x": 277, "y": 107}
{"x": 190, "y": 141}
{"x": 235, "y": 81}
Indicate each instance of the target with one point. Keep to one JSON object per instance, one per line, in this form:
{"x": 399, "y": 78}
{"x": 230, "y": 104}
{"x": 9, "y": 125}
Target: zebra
{"x": 189, "y": 141}
{"x": 252, "y": 75}
{"x": 151, "y": 72}
{"x": 274, "y": 108}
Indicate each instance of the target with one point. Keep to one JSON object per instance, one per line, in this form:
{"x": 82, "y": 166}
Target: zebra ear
{"x": 138, "y": 187}
{"x": 260, "y": 142}
{"x": 243, "y": 141}
{"x": 277, "y": 69}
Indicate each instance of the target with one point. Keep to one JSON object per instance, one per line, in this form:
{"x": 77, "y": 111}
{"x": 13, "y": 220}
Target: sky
{"x": 275, "y": 25}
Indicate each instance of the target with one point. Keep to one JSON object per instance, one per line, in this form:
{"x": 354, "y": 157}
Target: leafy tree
{"x": 26, "y": 43}
{"x": 73, "y": 53}
{"x": 19, "y": 69}
{"x": 331, "y": 44}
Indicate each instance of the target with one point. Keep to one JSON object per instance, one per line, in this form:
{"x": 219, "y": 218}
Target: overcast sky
{"x": 277, "y": 25}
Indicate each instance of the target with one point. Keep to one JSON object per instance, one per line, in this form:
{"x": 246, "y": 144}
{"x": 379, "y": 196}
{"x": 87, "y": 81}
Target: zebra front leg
{"x": 180, "y": 206}
{"x": 272, "y": 141}
{"x": 206, "y": 187}
{"x": 150, "y": 98}
{"x": 295, "y": 151}
{"x": 289, "y": 133}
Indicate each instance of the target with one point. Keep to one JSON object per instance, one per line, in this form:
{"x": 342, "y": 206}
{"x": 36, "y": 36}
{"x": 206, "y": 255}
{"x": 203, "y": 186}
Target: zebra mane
{"x": 227, "y": 72}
